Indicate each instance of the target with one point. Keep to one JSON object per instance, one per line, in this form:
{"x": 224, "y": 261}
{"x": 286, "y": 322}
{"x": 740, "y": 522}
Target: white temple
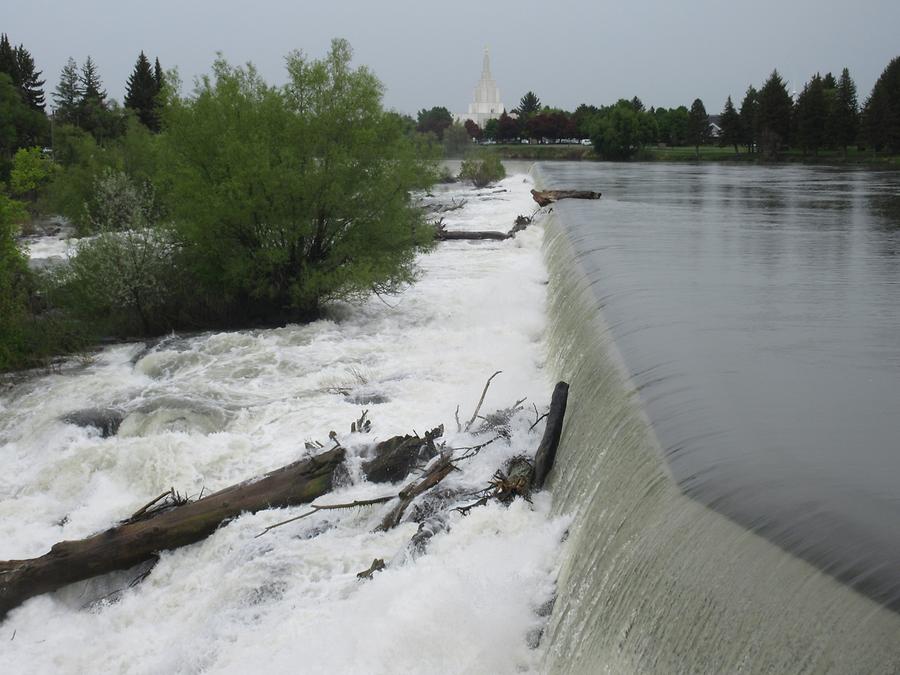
{"x": 487, "y": 105}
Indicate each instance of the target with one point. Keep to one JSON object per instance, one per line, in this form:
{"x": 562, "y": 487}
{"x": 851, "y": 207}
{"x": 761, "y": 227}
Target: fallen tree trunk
{"x": 444, "y": 235}
{"x": 546, "y": 452}
{"x": 545, "y": 197}
{"x": 165, "y": 527}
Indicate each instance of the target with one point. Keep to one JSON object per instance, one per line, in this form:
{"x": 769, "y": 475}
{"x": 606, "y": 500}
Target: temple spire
{"x": 486, "y": 66}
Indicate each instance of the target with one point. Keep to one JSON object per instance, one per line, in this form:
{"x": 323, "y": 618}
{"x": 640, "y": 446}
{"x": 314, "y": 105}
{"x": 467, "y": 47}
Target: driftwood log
{"x": 546, "y": 197}
{"x": 160, "y": 526}
{"x": 151, "y": 530}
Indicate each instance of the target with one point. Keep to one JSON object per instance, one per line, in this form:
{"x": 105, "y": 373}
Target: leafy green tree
{"x": 749, "y": 118}
{"x": 529, "y": 105}
{"x": 881, "y": 114}
{"x": 434, "y": 121}
{"x": 456, "y": 140}
{"x": 20, "y": 125}
{"x": 68, "y": 94}
{"x": 141, "y": 93}
{"x": 698, "y": 125}
{"x": 620, "y": 132}
{"x": 31, "y": 171}
{"x": 492, "y": 129}
{"x": 482, "y": 169}
{"x": 285, "y": 198}
{"x": 812, "y": 115}
{"x": 731, "y": 126}
{"x": 774, "y": 115}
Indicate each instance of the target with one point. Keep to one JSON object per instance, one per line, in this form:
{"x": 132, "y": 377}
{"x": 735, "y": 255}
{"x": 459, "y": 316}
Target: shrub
{"x": 482, "y": 169}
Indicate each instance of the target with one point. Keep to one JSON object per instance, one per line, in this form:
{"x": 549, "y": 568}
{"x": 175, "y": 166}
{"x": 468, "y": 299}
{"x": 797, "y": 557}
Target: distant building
{"x": 715, "y": 128}
{"x": 486, "y": 104}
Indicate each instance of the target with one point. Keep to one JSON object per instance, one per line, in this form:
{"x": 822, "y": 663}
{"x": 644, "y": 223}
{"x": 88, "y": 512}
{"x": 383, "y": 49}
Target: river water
{"x": 744, "y": 328}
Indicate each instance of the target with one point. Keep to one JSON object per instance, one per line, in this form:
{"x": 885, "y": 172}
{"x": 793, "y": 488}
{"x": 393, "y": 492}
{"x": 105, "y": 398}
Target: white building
{"x": 486, "y": 104}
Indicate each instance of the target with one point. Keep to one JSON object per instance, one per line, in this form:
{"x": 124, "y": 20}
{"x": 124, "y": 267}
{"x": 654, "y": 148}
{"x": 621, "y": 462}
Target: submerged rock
{"x": 107, "y": 420}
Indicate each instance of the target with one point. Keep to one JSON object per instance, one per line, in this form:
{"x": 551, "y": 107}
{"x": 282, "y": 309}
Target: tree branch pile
{"x": 171, "y": 520}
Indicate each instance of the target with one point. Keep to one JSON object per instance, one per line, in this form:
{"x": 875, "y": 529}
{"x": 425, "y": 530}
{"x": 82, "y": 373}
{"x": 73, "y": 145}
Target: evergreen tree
{"x": 844, "y": 118}
{"x": 812, "y": 114}
{"x": 158, "y": 76}
{"x": 637, "y": 104}
{"x": 68, "y": 94}
{"x": 8, "y": 63}
{"x": 828, "y": 82}
{"x": 731, "y": 126}
{"x": 698, "y": 125}
{"x": 749, "y": 114}
{"x": 774, "y": 114}
{"x": 141, "y": 93}
{"x": 30, "y": 84}
{"x": 882, "y": 110}
{"x": 529, "y": 104}
{"x": 90, "y": 83}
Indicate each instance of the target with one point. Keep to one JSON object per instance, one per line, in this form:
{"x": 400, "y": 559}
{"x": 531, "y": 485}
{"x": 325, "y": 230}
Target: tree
{"x": 529, "y": 105}
{"x": 508, "y": 128}
{"x": 492, "y": 129}
{"x": 91, "y": 86}
{"x": 828, "y": 82}
{"x": 637, "y": 104}
{"x": 619, "y": 132}
{"x": 774, "y": 115}
{"x": 434, "y": 121}
{"x": 8, "y": 63}
{"x": 142, "y": 91}
{"x": 286, "y": 198}
{"x": 20, "y": 125}
{"x": 456, "y": 140}
{"x": 731, "y": 126}
{"x": 812, "y": 114}
{"x": 749, "y": 117}
{"x": 29, "y": 82}
{"x": 68, "y": 94}
{"x": 31, "y": 170}
{"x": 881, "y": 114}
{"x": 482, "y": 169}
{"x": 158, "y": 76}
{"x": 13, "y": 286}
{"x": 473, "y": 130}
{"x": 698, "y": 125}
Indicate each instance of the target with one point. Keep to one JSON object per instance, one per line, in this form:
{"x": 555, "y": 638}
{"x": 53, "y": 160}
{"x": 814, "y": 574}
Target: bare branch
{"x": 481, "y": 400}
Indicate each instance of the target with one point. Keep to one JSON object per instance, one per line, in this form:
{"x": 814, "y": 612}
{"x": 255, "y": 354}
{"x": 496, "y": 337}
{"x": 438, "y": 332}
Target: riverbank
{"x": 708, "y": 153}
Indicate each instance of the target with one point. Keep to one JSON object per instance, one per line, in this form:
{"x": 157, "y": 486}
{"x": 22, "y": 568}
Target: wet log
{"x": 442, "y": 234}
{"x": 545, "y": 197}
{"x": 438, "y": 471}
{"x": 139, "y": 539}
{"x": 546, "y": 452}
{"x": 396, "y": 457}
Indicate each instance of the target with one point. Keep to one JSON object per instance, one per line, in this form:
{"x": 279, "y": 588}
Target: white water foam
{"x": 204, "y": 412}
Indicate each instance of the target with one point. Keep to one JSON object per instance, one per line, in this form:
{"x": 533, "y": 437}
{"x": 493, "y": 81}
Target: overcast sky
{"x": 668, "y": 52}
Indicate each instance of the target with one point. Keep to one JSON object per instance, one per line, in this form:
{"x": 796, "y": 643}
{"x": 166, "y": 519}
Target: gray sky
{"x": 427, "y": 53}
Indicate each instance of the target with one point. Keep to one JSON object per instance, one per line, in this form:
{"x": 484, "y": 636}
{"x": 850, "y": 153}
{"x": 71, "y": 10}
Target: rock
{"x": 107, "y": 420}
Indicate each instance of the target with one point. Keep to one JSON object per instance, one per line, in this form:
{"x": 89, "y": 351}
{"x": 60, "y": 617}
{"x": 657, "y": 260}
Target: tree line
{"x": 825, "y": 114}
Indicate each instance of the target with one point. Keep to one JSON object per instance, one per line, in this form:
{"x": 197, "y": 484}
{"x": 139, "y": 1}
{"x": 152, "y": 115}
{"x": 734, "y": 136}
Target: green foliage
{"x": 773, "y": 118}
{"x": 482, "y": 168}
{"x": 529, "y": 105}
{"x": 697, "y": 125}
{"x": 882, "y": 110}
{"x": 749, "y": 118}
{"x": 434, "y": 121}
{"x": 142, "y": 92}
{"x": 491, "y": 129}
{"x": 13, "y": 293}
{"x": 285, "y": 198}
{"x": 843, "y": 124}
{"x": 671, "y": 125}
{"x": 508, "y": 128}
{"x": 456, "y": 140}
{"x": 731, "y": 126}
{"x": 812, "y": 115}
{"x": 31, "y": 171}
{"x": 620, "y": 131}
{"x": 67, "y": 95}
{"x": 20, "y": 125}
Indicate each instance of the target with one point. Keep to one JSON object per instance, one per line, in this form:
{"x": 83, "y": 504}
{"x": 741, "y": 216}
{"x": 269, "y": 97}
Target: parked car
{"x": 585, "y": 141}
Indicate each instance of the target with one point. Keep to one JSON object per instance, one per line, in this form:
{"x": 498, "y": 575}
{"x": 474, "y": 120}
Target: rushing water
{"x": 732, "y": 447}
{"x": 206, "y": 411}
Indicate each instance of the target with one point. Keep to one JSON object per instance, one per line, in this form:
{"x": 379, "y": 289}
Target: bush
{"x": 13, "y": 287}
{"x": 482, "y": 169}
{"x": 285, "y": 198}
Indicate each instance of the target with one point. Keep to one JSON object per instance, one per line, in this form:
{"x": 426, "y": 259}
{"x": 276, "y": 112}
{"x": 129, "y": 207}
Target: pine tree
{"x": 30, "y": 84}
{"x": 812, "y": 114}
{"x": 141, "y": 93}
{"x": 731, "y": 126}
{"x": 774, "y": 115}
{"x": 882, "y": 111}
{"x": 158, "y": 76}
{"x": 90, "y": 82}
{"x": 698, "y": 125}
{"x": 529, "y": 105}
{"x": 8, "y": 63}
{"x": 828, "y": 82}
{"x": 844, "y": 123}
{"x": 68, "y": 94}
{"x": 749, "y": 114}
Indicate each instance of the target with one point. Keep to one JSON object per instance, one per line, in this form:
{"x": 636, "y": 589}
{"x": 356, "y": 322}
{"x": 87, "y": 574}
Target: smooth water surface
{"x": 757, "y": 310}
